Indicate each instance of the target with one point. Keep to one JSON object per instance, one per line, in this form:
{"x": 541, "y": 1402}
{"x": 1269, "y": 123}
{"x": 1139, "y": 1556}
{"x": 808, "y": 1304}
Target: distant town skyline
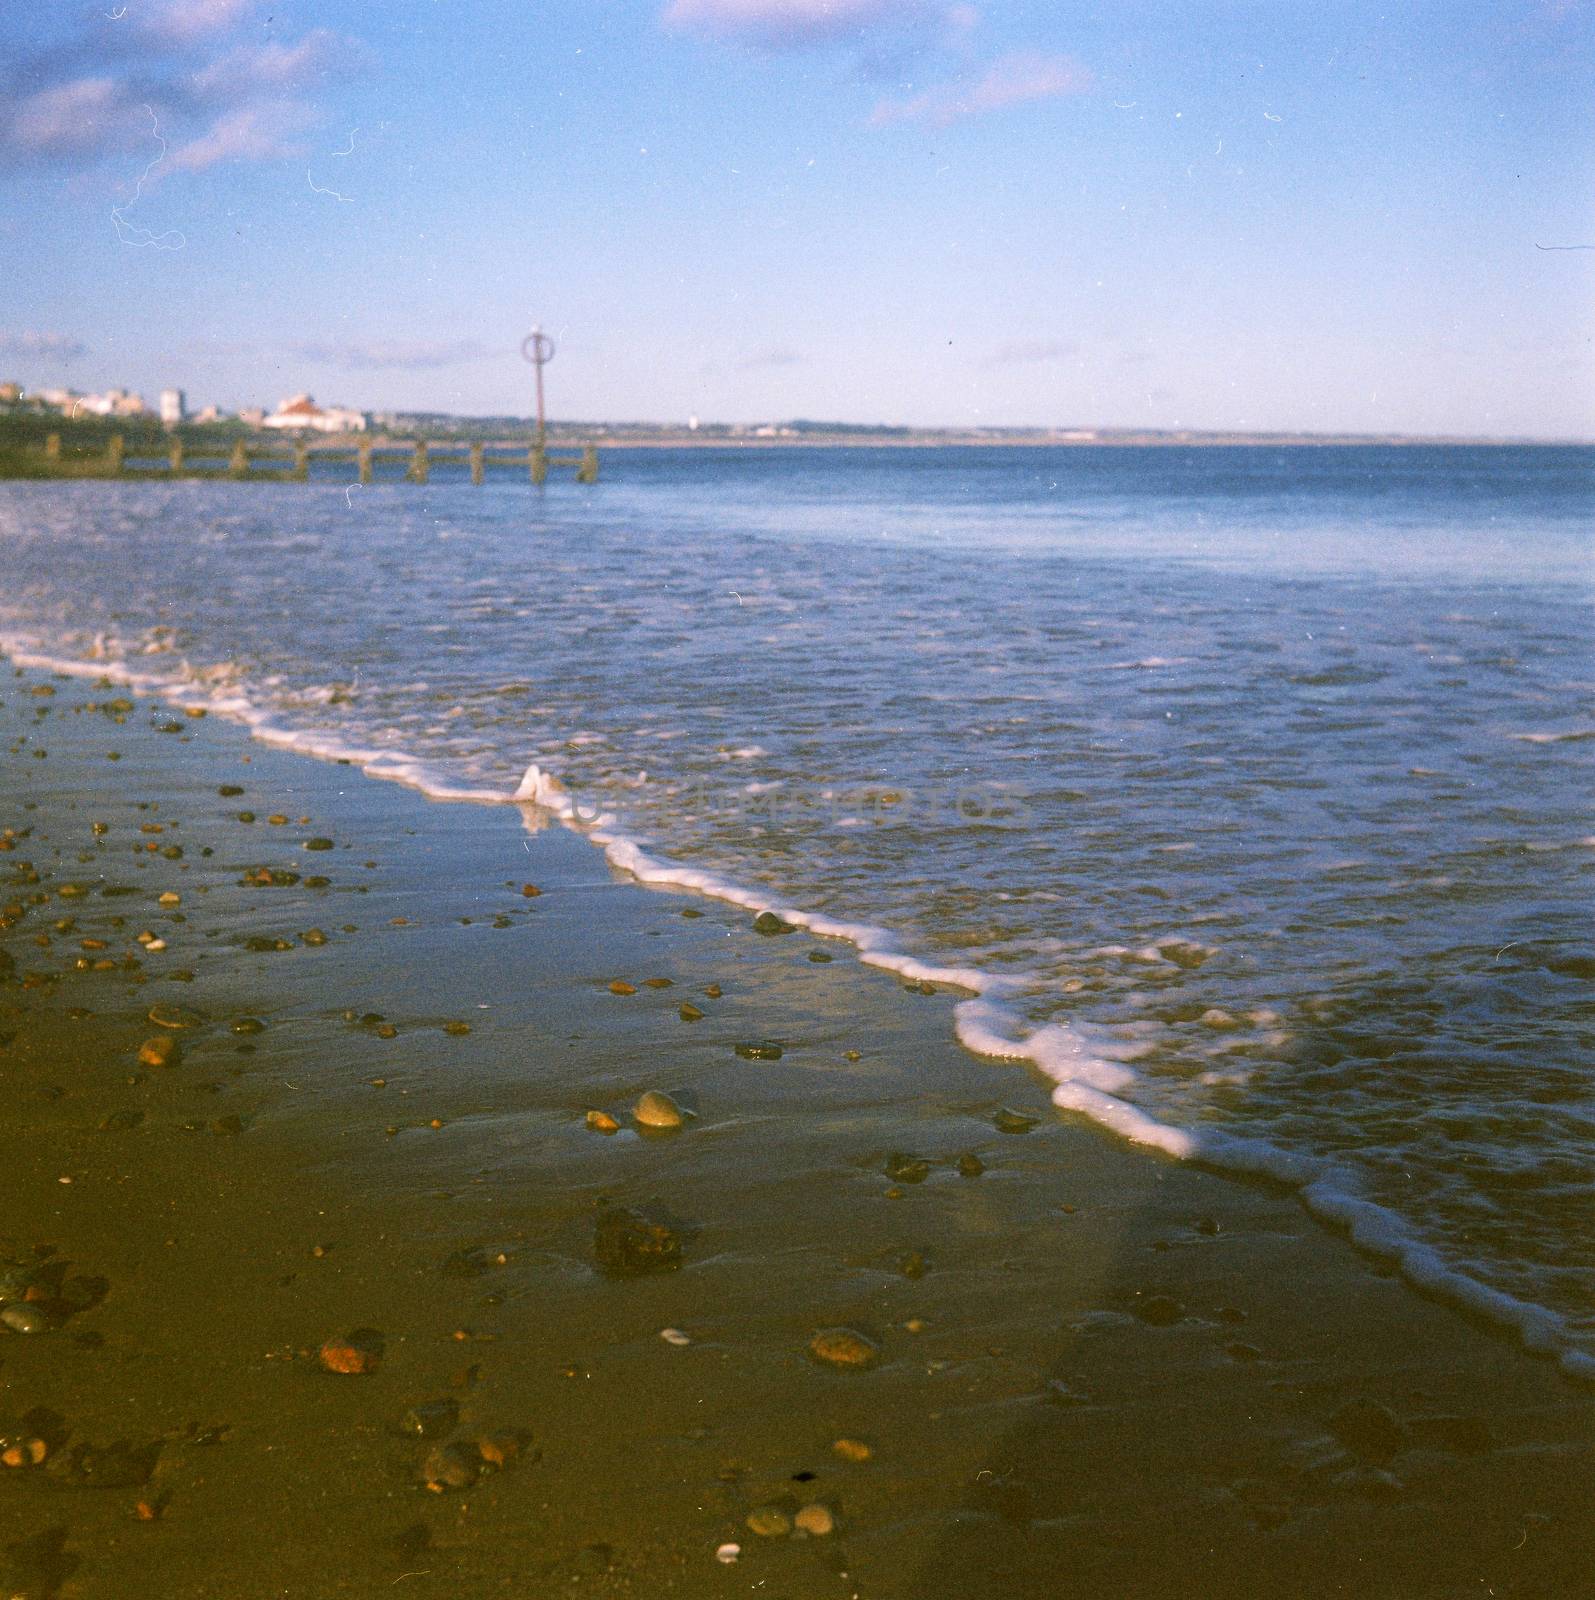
{"x": 1243, "y": 216}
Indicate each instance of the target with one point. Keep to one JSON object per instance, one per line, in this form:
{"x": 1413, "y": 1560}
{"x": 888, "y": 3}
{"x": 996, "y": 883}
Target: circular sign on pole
{"x": 537, "y": 348}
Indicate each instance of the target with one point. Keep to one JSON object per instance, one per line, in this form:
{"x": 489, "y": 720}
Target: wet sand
{"x": 1095, "y": 1372}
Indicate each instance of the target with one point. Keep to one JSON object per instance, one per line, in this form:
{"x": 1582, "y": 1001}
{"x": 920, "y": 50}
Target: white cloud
{"x": 69, "y": 119}
{"x": 790, "y": 24}
{"x": 259, "y": 132}
{"x": 252, "y": 68}
{"x": 1011, "y": 80}
{"x": 182, "y": 21}
{"x": 41, "y": 346}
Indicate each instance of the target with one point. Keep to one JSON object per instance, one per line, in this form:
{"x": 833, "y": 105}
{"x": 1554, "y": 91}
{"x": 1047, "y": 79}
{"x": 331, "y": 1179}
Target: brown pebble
{"x": 690, "y": 1012}
{"x": 815, "y": 1520}
{"x": 852, "y": 1449}
{"x": 602, "y": 1122}
{"x": 620, "y": 986}
{"x": 843, "y": 1347}
{"x": 356, "y": 1354}
{"x": 530, "y": 890}
{"x": 713, "y": 991}
{"x": 457, "y": 1029}
{"x": 161, "y": 1051}
{"x": 499, "y": 1449}
{"x": 659, "y": 983}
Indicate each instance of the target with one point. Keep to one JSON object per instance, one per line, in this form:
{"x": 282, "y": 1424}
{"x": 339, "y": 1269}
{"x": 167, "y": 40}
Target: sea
{"x": 1243, "y": 791}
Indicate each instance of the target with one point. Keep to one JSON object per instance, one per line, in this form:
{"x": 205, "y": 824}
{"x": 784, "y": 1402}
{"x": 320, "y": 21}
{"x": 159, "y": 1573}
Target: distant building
{"x": 207, "y": 414}
{"x": 10, "y": 393}
{"x": 302, "y": 412}
{"x": 113, "y": 403}
{"x": 174, "y": 407}
{"x": 253, "y": 415}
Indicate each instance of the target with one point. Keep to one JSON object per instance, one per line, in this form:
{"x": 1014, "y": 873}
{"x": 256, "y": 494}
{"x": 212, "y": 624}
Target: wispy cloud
{"x": 182, "y": 21}
{"x": 411, "y": 355}
{"x": 1015, "y": 79}
{"x": 256, "y": 68}
{"x": 260, "y": 132}
{"x": 69, "y": 121}
{"x": 795, "y": 24}
{"x": 213, "y": 95}
{"x": 1031, "y": 353}
{"x": 40, "y": 346}
{"x": 779, "y": 357}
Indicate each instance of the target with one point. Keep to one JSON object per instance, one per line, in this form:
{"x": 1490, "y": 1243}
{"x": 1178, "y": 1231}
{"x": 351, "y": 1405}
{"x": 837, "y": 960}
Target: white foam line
{"x": 1089, "y": 1085}
{"x": 1086, "y": 1081}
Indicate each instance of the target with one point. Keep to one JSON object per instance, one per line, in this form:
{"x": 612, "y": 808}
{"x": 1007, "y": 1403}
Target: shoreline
{"x": 1098, "y": 1371}
{"x": 1084, "y": 1084}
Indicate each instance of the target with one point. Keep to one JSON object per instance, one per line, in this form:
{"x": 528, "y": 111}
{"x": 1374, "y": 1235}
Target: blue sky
{"x": 1133, "y": 212}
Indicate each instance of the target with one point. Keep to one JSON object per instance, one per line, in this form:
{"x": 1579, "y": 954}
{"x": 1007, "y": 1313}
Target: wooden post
{"x": 587, "y": 472}
{"x": 114, "y": 453}
{"x": 365, "y": 460}
{"x": 476, "y": 463}
{"x": 52, "y": 447}
{"x": 238, "y": 462}
{"x": 538, "y": 461}
{"x": 174, "y": 454}
{"x": 301, "y": 462}
{"x": 418, "y": 462}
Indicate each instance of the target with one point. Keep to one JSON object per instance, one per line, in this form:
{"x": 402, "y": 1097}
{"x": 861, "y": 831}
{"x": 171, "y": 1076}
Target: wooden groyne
{"x": 251, "y": 460}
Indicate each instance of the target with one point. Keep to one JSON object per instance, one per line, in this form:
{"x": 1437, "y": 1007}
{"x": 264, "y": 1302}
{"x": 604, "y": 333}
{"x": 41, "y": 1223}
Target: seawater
{"x": 1247, "y": 790}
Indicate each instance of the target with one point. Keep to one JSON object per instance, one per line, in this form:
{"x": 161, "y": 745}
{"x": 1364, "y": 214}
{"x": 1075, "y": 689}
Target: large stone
{"x": 630, "y": 1243}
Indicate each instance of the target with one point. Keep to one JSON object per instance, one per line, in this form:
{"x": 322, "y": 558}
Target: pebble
{"x": 161, "y": 1051}
{"x": 1369, "y": 1430}
{"x": 768, "y": 923}
{"x": 355, "y": 1354}
{"x": 1007, "y": 1120}
{"x": 25, "y": 1319}
{"x": 602, "y": 1122}
{"x": 659, "y": 983}
{"x": 726, "y": 1553}
{"x": 815, "y": 1519}
{"x": 713, "y": 991}
{"x": 759, "y": 1050}
{"x": 620, "y": 986}
{"x": 457, "y": 1030}
{"x": 313, "y": 936}
{"x": 248, "y": 1025}
{"x": 170, "y": 898}
{"x": 901, "y": 1168}
{"x": 690, "y": 1012}
{"x": 431, "y": 1418}
{"x": 970, "y": 1165}
{"x": 675, "y": 1336}
{"x": 1158, "y": 1310}
{"x": 769, "y": 1522}
{"x": 656, "y": 1110}
{"x": 451, "y": 1466}
{"x": 629, "y": 1243}
{"x": 1215, "y": 1017}
{"x": 852, "y": 1450}
{"x": 530, "y": 890}
{"x": 318, "y": 844}
{"x": 844, "y": 1347}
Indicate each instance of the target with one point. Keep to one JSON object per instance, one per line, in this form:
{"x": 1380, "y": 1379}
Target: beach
{"x": 588, "y": 1357}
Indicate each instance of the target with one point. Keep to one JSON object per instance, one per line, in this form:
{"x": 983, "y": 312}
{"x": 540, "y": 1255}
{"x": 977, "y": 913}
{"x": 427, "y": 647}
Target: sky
{"x": 1134, "y": 213}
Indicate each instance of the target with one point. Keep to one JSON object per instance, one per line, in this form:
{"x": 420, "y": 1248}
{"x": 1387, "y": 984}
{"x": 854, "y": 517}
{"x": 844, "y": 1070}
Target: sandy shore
{"x": 1092, "y": 1372}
